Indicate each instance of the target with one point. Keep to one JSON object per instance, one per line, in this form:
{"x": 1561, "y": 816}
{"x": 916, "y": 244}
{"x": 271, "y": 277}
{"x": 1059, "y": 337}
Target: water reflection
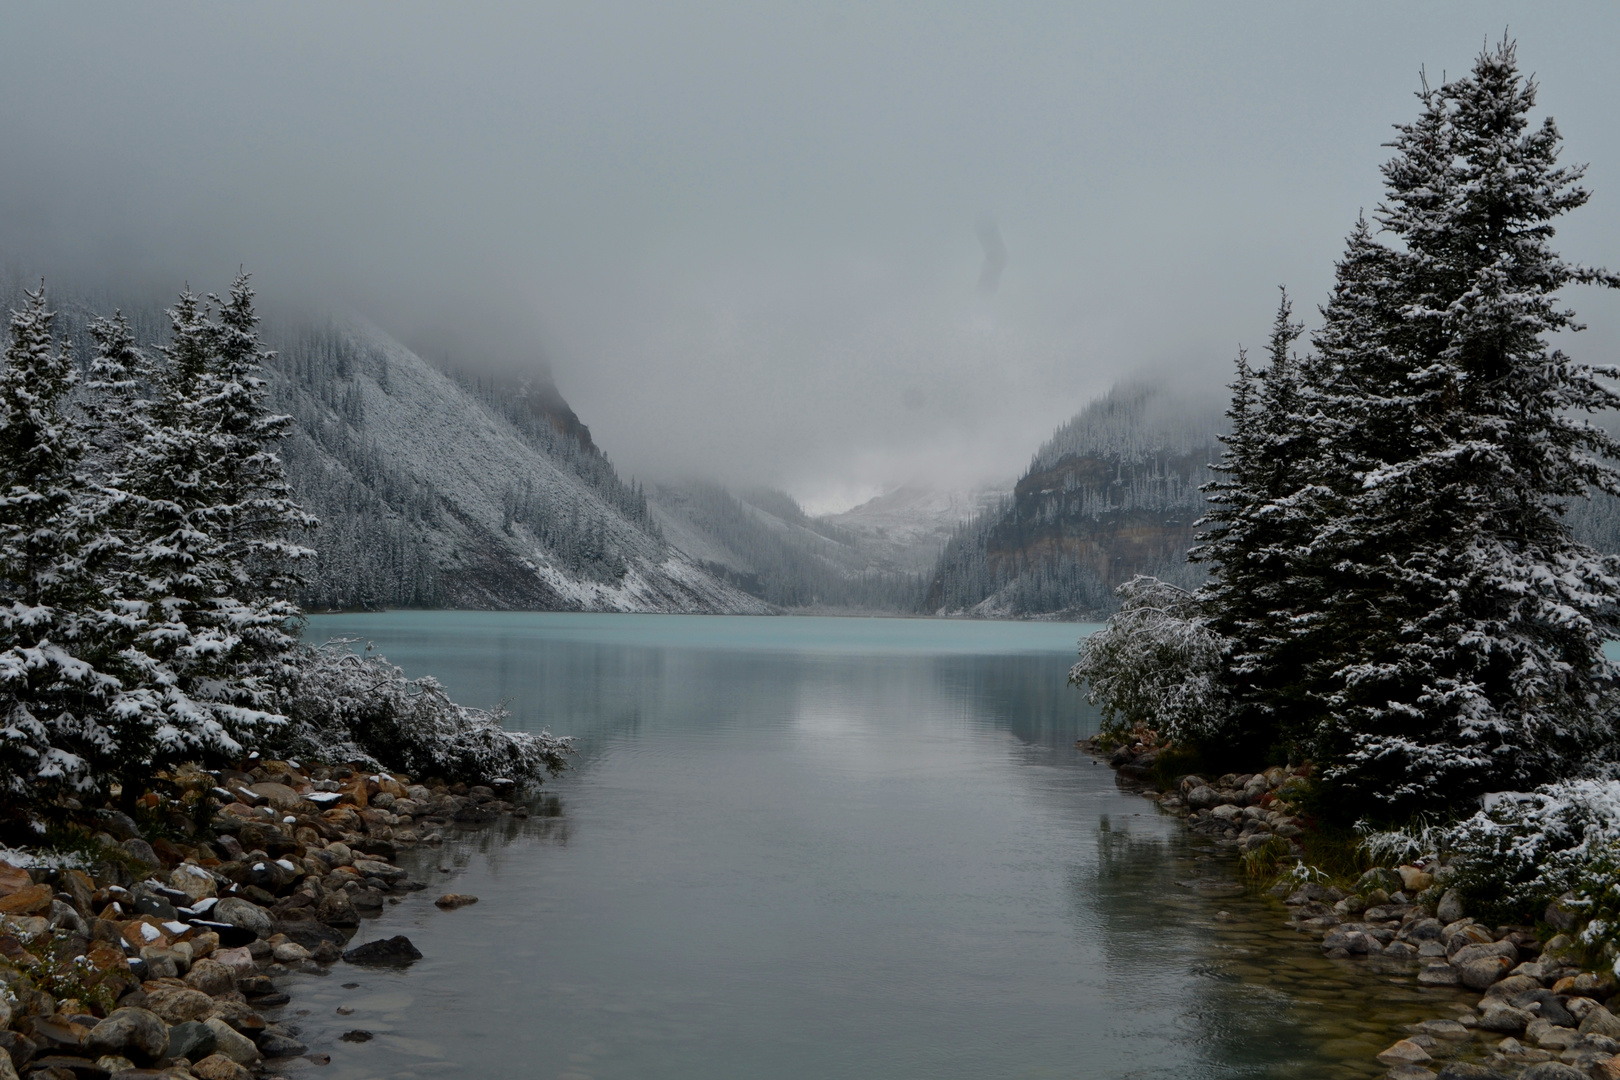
{"x": 782, "y": 858}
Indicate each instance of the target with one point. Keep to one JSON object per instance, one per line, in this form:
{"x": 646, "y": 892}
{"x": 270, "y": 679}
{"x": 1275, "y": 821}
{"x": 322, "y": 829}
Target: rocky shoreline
{"x": 163, "y": 958}
{"x": 1539, "y": 1016}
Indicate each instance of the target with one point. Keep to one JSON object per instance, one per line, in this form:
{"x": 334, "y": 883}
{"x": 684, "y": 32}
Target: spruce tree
{"x": 1462, "y": 626}
{"x": 53, "y": 695}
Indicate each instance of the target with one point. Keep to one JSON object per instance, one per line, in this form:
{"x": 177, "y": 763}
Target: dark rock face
{"x": 273, "y": 1044}
{"x": 394, "y": 951}
{"x": 191, "y": 1040}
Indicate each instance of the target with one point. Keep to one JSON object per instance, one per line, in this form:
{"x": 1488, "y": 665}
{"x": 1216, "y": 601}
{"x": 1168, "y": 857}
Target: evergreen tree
{"x": 53, "y": 695}
{"x": 1261, "y": 510}
{"x": 1460, "y": 637}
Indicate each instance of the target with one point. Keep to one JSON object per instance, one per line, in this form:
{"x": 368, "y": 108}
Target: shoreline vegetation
{"x": 192, "y": 801}
{"x": 1390, "y": 696}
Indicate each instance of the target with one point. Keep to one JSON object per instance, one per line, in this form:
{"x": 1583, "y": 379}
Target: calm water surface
{"x": 824, "y": 848}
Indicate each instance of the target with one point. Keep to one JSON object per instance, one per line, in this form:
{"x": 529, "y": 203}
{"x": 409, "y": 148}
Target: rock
{"x": 357, "y": 1036}
{"x": 1481, "y": 973}
{"x": 1203, "y": 798}
{"x": 1549, "y": 1036}
{"x": 191, "y": 1040}
{"x": 273, "y": 1044}
{"x": 1414, "y": 879}
{"x": 1400, "y": 950}
{"x": 1409, "y": 1072}
{"x": 176, "y": 1006}
{"x": 279, "y": 796}
{"x": 1504, "y": 1019}
{"x": 1588, "y": 984}
{"x": 29, "y": 900}
{"x": 219, "y": 1067}
{"x": 112, "y": 1063}
{"x": 1601, "y": 1021}
{"x": 1553, "y": 1070}
{"x": 1464, "y": 1070}
{"x": 451, "y": 901}
{"x": 1450, "y": 1030}
{"x": 1560, "y": 915}
{"x": 248, "y": 916}
{"x": 336, "y": 909}
{"x": 1405, "y": 1052}
{"x": 1450, "y": 908}
{"x": 290, "y": 952}
{"x": 232, "y": 1043}
{"x": 141, "y": 851}
{"x": 138, "y": 1034}
{"x": 1439, "y": 975}
{"x": 13, "y": 879}
{"x": 396, "y": 950}
{"x": 212, "y": 978}
{"x": 239, "y": 960}
{"x": 194, "y": 881}
{"x": 310, "y": 934}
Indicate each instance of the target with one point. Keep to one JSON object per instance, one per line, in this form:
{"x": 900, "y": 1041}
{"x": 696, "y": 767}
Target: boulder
{"x": 176, "y": 1005}
{"x": 1405, "y": 1052}
{"x": 194, "y": 881}
{"x": 238, "y": 960}
{"x": 141, "y": 851}
{"x": 273, "y": 1044}
{"x": 1414, "y": 879}
{"x": 310, "y": 934}
{"x": 451, "y": 901}
{"x": 219, "y": 1067}
{"x": 1467, "y": 1070}
{"x": 241, "y": 913}
{"x": 336, "y": 909}
{"x": 1505, "y": 1019}
{"x": 1439, "y": 975}
{"x": 1479, "y": 974}
{"x": 1600, "y": 1021}
{"x": 280, "y": 796}
{"x": 1203, "y": 798}
{"x": 393, "y": 951}
{"x": 1450, "y": 908}
{"x": 13, "y": 878}
{"x": 191, "y": 1040}
{"x": 1553, "y": 1070}
{"x": 29, "y": 900}
{"x": 232, "y": 1043}
{"x": 138, "y": 1034}
{"x": 212, "y": 978}
{"x": 1379, "y": 877}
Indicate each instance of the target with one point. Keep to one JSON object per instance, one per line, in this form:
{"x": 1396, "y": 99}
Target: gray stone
{"x": 393, "y": 951}
{"x": 1439, "y": 975}
{"x": 1450, "y": 908}
{"x": 1601, "y": 1021}
{"x": 1469, "y": 953}
{"x": 273, "y": 1044}
{"x": 244, "y": 914}
{"x": 1203, "y": 798}
{"x": 1553, "y": 1070}
{"x": 191, "y": 1040}
{"x": 1467, "y": 1070}
{"x": 1379, "y": 877}
{"x": 141, "y": 851}
{"x": 1504, "y": 1019}
{"x": 212, "y": 978}
{"x": 138, "y": 1034}
{"x": 232, "y": 1043}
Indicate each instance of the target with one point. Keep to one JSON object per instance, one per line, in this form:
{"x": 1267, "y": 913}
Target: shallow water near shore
{"x": 820, "y": 847}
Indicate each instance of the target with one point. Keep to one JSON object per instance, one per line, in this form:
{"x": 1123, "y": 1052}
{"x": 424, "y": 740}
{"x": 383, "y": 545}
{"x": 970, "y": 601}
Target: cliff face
{"x": 1114, "y": 493}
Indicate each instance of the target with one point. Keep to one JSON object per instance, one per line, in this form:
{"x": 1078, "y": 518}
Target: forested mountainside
{"x": 762, "y": 542}
{"x": 1113, "y": 493}
{"x": 435, "y": 491}
{"x": 441, "y": 492}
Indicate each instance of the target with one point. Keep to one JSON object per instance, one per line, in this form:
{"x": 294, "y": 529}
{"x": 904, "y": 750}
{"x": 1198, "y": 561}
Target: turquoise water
{"x": 810, "y": 848}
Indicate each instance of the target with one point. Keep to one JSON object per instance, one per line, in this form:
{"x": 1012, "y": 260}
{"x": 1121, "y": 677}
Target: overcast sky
{"x": 746, "y": 237}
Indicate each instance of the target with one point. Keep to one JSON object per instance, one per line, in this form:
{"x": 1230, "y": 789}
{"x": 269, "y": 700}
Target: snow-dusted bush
{"x": 1524, "y": 849}
{"x": 346, "y": 706}
{"x": 1156, "y": 664}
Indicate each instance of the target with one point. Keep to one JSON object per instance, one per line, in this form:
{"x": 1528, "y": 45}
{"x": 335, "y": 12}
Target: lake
{"x": 824, "y": 848}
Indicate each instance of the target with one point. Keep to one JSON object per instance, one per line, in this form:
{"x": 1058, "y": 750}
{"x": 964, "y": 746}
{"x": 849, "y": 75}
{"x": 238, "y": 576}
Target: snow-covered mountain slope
{"x": 429, "y": 496}
{"x": 908, "y": 527}
{"x": 764, "y": 543}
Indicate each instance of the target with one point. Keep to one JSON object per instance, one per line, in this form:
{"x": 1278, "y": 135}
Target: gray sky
{"x": 745, "y": 236}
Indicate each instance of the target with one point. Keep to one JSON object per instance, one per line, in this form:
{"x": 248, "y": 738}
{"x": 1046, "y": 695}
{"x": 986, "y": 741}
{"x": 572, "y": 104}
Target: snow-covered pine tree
{"x": 54, "y": 695}
{"x": 1461, "y": 637}
{"x": 199, "y": 483}
{"x": 1258, "y": 521}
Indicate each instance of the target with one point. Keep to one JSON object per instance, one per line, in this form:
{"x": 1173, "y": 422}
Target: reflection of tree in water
{"x": 1028, "y": 696}
{"x": 1164, "y": 947}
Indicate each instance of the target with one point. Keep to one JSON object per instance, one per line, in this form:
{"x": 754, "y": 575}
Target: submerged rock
{"x": 396, "y": 950}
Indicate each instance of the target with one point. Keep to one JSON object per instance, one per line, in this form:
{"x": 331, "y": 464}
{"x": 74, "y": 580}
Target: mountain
{"x": 762, "y": 542}
{"x": 435, "y": 491}
{"x": 906, "y": 529}
{"x": 1114, "y": 492}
